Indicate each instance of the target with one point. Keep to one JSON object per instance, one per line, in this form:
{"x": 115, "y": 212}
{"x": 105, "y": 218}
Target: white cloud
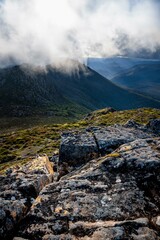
{"x": 42, "y": 31}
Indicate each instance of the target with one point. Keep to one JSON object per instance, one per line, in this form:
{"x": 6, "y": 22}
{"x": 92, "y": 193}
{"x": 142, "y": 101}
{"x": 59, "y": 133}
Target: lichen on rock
{"x": 18, "y": 191}
{"x": 108, "y": 188}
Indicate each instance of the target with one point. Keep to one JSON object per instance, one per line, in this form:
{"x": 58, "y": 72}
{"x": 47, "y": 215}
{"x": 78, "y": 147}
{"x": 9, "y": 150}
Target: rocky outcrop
{"x": 78, "y": 148}
{"x": 18, "y": 191}
{"x": 113, "y": 197}
{"x": 108, "y": 188}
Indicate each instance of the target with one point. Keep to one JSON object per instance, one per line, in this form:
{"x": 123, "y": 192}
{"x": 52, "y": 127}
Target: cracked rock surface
{"x": 109, "y": 189}
{"x": 115, "y": 196}
{"x": 18, "y": 190}
{"x": 79, "y": 148}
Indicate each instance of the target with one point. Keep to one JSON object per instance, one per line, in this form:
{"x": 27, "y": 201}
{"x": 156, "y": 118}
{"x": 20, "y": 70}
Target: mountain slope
{"x": 94, "y": 91}
{"x": 26, "y": 90}
{"x": 144, "y": 79}
{"x": 30, "y": 91}
{"x": 112, "y": 67}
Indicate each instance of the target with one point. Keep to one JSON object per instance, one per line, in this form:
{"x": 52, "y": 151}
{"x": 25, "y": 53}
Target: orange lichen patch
{"x": 41, "y": 163}
{"x": 61, "y": 211}
{"x": 115, "y": 154}
{"x": 14, "y": 214}
{"x": 49, "y": 165}
{"x": 111, "y": 155}
{"x": 65, "y": 213}
{"x": 37, "y": 201}
{"x": 58, "y": 210}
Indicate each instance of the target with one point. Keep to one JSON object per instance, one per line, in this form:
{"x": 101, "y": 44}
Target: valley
{"x": 142, "y": 76}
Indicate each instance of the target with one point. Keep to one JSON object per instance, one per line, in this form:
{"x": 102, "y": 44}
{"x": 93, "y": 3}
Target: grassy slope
{"x": 22, "y": 145}
{"x": 68, "y": 114}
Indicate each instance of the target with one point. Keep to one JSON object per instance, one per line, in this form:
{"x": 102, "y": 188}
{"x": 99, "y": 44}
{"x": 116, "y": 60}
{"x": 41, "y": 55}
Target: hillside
{"x": 143, "y": 79}
{"x": 26, "y": 91}
{"x": 89, "y": 89}
{"x": 19, "y": 146}
{"x": 112, "y": 67}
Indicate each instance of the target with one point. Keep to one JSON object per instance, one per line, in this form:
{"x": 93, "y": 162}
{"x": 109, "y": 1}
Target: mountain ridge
{"x": 50, "y": 91}
{"x": 141, "y": 79}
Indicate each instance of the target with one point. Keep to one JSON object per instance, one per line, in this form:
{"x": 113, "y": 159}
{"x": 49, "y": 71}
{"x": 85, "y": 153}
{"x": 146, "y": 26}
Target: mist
{"x": 41, "y": 32}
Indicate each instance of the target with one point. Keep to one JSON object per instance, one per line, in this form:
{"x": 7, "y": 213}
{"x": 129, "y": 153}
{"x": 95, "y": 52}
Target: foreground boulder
{"x": 19, "y": 189}
{"x": 77, "y": 148}
{"x": 108, "y": 188}
{"x": 113, "y": 197}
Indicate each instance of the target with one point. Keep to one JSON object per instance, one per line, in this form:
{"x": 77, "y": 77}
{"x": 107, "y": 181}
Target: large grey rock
{"x": 18, "y": 191}
{"x": 108, "y": 188}
{"x": 113, "y": 197}
{"x": 110, "y": 138}
{"x": 77, "y": 148}
{"x": 154, "y": 125}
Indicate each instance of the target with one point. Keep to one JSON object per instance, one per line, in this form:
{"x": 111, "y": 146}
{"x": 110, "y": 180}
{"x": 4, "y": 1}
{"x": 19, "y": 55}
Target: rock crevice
{"x": 19, "y": 189}
{"x": 108, "y": 188}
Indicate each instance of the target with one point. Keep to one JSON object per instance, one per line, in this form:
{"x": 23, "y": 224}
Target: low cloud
{"x": 48, "y": 31}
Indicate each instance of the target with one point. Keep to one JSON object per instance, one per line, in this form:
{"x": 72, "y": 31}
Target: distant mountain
{"x": 144, "y": 79}
{"x": 89, "y": 89}
{"x": 25, "y": 90}
{"x": 139, "y": 75}
{"x": 112, "y": 67}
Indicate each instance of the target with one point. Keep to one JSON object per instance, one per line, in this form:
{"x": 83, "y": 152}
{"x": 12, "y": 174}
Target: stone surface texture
{"x": 108, "y": 188}
{"x": 19, "y": 189}
{"x": 79, "y": 148}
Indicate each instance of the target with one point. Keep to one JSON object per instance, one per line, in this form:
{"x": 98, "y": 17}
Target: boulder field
{"x": 104, "y": 185}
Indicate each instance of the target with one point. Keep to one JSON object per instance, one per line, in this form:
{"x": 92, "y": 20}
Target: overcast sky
{"x": 42, "y": 31}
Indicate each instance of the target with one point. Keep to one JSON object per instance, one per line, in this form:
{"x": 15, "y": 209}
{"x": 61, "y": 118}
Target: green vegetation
{"x": 142, "y": 116}
{"x": 20, "y": 146}
{"x": 8, "y": 124}
{"x": 27, "y": 91}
